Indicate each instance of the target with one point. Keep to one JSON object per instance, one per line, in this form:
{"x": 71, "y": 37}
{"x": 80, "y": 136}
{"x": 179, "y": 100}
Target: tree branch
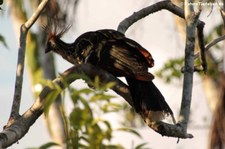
{"x": 191, "y": 22}
{"x": 136, "y": 16}
{"x": 214, "y": 42}
{"x": 36, "y": 14}
{"x": 18, "y": 128}
{"x": 200, "y": 33}
{"x": 211, "y": 44}
{"x": 20, "y": 63}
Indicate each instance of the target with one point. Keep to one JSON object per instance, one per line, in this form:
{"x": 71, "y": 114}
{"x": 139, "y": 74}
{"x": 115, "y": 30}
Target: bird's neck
{"x": 62, "y": 46}
{"x": 64, "y": 49}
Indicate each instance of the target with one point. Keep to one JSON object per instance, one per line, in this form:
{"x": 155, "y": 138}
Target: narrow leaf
{"x": 140, "y": 146}
{"x": 2, "y": 40}
{"x": 130, "y": 131}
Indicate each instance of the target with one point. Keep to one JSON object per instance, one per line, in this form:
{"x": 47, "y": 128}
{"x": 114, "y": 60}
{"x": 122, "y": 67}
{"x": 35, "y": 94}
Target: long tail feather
{"x": 148, "y": 100}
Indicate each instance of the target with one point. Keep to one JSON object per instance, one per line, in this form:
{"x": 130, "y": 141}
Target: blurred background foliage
{"x": 87, "y": 125}
{"x": 172, "y": 69}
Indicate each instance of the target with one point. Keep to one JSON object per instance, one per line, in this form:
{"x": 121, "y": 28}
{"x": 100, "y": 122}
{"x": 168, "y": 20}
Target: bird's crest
{"x": 55, "y": 31}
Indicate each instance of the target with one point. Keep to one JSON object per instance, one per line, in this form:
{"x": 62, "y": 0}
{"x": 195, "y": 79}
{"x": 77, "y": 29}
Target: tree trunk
{"x": 218, "y": 125}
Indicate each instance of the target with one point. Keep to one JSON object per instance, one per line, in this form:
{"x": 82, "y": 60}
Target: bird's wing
{"x": 124, "y": 57}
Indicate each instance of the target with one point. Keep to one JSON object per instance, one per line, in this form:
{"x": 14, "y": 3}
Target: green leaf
{"x": 110, "y": 85}
{"x": 140, "y": 146}
{"x": 97, "y": 82}
{"x": 101, "y": 96}
{"x": 111, "y": 107}
{"x": 48, "y": 145}
{"x": 130, "y": 131}
{"x": 85, "y": 91}
{"x": 45, "y": 146}
{"x": 51, "y": 97}
{"x": 114, "y": 146}
{"x": 107, "y": 86}
{"x": 2, "y": 40}
{"x": 171, "y": 70}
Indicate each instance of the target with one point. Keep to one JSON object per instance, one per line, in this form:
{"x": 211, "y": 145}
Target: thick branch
{"x": 16, "y": 130}
{"x": 191, "y": 22}
{"x": 136, "y": 16}
{"x": 20, "y": 63}
{"x": 19, "y": 75}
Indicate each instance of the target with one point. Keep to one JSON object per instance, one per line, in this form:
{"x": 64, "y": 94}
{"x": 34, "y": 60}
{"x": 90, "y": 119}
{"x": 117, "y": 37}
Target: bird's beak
{"x": 47, "y": 50}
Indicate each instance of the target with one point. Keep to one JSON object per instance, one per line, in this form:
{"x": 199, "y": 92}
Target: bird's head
{"x": 54, "y": 35}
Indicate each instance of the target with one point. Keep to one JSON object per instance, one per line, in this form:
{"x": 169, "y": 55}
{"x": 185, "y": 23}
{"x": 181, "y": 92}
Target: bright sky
{"x": 156, "y": 33}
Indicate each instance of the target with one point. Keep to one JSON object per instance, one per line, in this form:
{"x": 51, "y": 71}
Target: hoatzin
{"x": 111, "y": 51}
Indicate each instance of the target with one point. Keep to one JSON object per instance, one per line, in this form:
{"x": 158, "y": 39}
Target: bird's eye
{"x": 51, "y": 44}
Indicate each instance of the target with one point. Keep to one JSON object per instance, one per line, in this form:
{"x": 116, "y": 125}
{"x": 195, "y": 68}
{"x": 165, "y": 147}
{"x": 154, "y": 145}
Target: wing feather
{"x": 124, "y": 60}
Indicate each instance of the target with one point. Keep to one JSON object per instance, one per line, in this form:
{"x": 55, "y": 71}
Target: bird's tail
{"x": 148, "y": 101}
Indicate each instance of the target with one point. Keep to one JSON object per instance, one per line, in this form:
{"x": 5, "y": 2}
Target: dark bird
{"x": 111, "y": 51}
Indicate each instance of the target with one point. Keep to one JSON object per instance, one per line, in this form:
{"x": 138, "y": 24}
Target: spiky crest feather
{"x": 54, "y": 31}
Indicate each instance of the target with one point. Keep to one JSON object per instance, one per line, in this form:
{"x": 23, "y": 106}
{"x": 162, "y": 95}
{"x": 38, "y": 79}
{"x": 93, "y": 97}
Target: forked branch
{"x": 20, "y": 63}
{"x": 192, "y": 22}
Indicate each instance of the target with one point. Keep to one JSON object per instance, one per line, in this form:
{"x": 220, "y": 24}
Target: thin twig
{"x": 219, "y": 39}
{"x": 200, "y": 31}
{"x": 214, "y": 42}
{"x": 20, "y": 63}
{"x": 211, "y": 44}
{"x": 36, "y": 14}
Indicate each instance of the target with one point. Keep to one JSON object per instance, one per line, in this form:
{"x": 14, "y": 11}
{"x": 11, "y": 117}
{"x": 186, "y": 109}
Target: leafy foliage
{"x": 132, "y": 119}
{"x": 86, "y": 126}
{"x": 171, "y": 70}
